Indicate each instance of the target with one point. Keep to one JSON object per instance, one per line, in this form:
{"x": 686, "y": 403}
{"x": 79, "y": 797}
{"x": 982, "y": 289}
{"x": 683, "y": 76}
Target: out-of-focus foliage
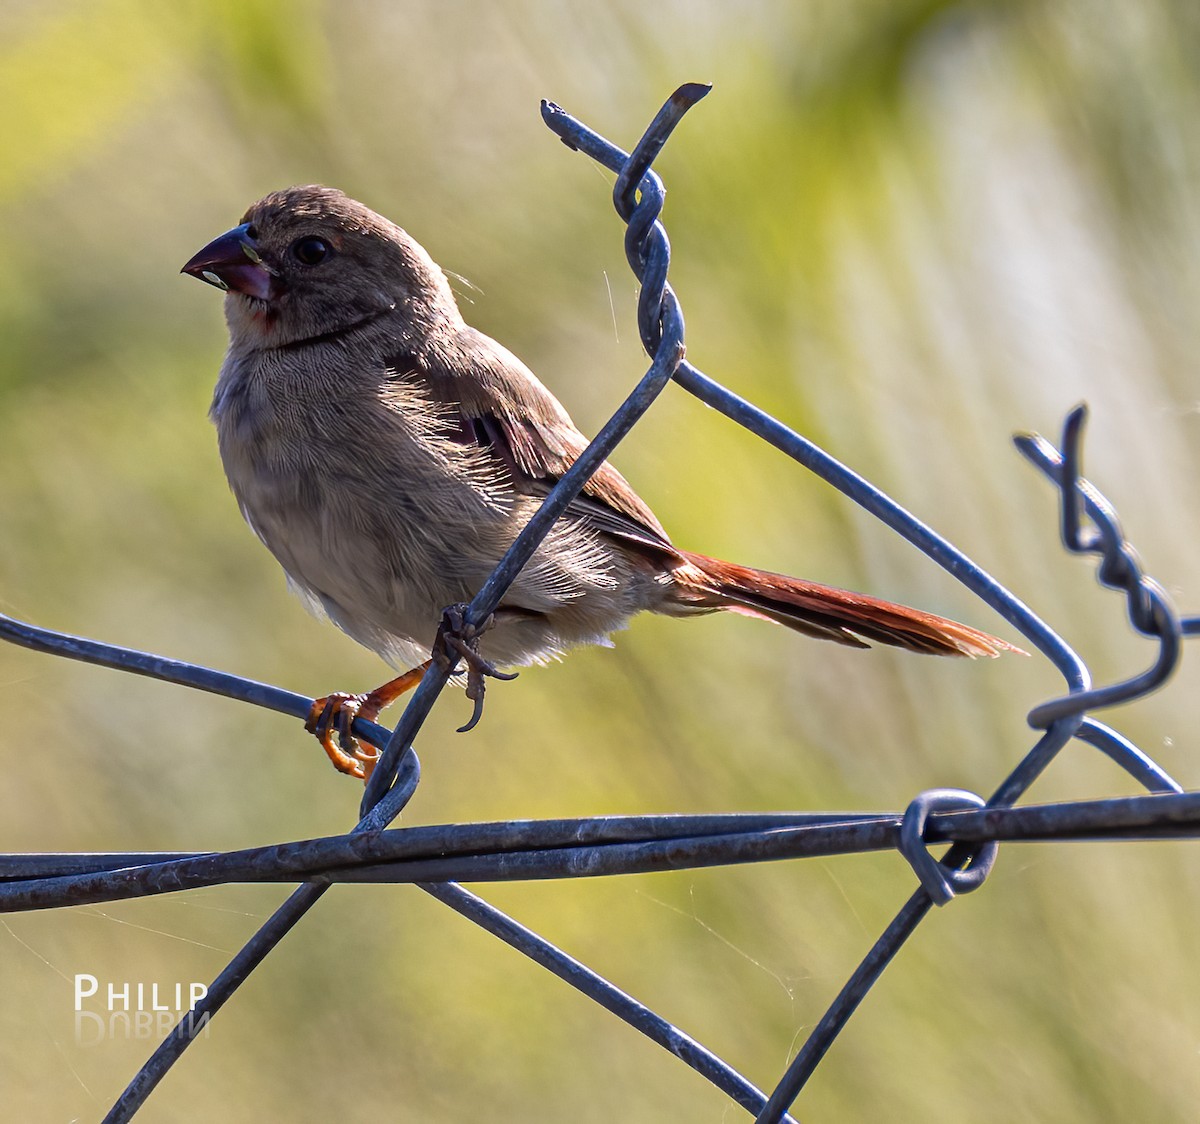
{"x": 909, "y": 228}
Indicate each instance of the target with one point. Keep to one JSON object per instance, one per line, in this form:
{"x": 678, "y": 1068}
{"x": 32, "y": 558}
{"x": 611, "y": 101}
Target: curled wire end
{"x": 1089, "y": 525}
{"x": 644, "y": 153}
{"x": 943, "y": 883}
{"x": 1165, "y": 627}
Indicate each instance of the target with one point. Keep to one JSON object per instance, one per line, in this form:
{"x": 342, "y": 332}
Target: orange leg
{"x": 332, "y": 716}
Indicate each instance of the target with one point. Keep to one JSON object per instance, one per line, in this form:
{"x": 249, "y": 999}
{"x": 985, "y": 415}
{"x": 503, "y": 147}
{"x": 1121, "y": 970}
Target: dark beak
{"x": 232, "y": 263}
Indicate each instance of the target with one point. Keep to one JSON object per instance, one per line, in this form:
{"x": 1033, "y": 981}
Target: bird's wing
{"x": 492, "y": 400}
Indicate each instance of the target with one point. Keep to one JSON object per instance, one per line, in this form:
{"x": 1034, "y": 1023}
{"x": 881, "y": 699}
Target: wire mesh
{"x": 437, "y": 858}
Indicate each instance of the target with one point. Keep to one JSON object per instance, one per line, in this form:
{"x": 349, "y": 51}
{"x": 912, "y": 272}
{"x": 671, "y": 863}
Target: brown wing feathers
{"x": 507, "y": 409}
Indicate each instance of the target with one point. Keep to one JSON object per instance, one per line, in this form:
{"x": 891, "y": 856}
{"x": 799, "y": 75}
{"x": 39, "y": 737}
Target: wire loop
{"x": 942, "y": 883}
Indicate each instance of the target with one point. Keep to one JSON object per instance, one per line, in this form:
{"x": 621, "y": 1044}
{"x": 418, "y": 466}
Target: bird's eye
{"x": 310, "y": 250}
{"x": 252, "y": 232}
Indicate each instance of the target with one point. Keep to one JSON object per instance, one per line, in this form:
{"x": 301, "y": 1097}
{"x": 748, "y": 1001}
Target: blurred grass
{"x": 908, "y": 229}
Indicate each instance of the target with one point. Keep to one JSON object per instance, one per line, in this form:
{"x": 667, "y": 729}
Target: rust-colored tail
{"x": 704, "y": 584}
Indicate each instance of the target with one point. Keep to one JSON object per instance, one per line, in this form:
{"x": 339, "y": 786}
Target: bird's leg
{"x": 333, "y": 715}
{"x": 457, "y": 639}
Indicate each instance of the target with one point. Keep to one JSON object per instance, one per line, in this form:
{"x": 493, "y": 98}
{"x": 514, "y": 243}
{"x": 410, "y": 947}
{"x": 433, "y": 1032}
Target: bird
{"x": 387, "y": 454}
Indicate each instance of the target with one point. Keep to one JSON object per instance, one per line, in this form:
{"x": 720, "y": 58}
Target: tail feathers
{"x": 706, "y": 584}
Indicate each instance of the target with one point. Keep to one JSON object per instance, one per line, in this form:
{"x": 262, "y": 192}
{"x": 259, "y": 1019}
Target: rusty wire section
{"x": 437, "y": 858}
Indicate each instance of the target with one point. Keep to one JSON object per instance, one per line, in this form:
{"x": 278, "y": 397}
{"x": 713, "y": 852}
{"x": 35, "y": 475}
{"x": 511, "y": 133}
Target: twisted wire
{"x": 1149, "y": 608}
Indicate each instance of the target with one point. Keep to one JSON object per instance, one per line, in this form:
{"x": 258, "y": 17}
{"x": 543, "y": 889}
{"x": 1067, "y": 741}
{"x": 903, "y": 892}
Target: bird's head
{"x": 310, "y": 262}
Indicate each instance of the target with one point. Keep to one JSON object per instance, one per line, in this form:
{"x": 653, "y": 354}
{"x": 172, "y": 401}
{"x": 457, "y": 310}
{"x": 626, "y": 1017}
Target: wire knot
{"x": 942, "y": 882}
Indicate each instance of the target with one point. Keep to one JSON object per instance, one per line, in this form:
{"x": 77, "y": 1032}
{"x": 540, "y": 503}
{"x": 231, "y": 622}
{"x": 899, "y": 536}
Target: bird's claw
{"x": 458, "y": 639}
{"x": 332, "y": 717}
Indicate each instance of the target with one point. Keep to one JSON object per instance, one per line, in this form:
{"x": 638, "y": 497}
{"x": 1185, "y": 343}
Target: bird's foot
{"x": 457, "y": 639}
{"x": 331, "y": 717}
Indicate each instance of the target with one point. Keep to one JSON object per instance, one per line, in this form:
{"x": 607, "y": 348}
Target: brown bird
{"x": 387, "y": 454}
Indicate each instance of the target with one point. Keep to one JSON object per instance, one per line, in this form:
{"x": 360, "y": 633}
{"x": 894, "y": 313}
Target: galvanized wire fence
{"x": 437, "y": 859}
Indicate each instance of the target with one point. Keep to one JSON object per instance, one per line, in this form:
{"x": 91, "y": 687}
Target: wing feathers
{"x": 494, "y": 401}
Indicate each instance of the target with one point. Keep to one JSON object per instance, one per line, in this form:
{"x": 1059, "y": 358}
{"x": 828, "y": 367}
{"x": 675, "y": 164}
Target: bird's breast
{"x": 359, "y": 502}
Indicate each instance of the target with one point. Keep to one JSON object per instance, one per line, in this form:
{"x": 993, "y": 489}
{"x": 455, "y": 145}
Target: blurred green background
{"x": 908, "y": 229}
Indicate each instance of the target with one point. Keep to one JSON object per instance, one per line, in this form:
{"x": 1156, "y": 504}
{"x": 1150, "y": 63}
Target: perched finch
{"x": 387, "y": 454}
